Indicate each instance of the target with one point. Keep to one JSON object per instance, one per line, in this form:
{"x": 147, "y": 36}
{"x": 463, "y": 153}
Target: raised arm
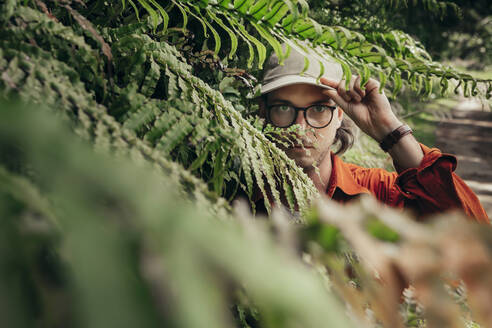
{"x": 371, "y": 112}
{"x": 426, "y": 182}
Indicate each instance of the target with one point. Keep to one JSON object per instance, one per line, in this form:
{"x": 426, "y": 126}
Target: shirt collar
{"x": 342, "y": 178}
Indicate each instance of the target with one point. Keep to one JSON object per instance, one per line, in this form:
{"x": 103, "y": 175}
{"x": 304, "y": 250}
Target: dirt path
{"x": 468, "y": 135}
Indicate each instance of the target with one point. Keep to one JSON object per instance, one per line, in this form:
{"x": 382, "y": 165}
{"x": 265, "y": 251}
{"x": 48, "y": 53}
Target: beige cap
{"x": 277, "y": 76}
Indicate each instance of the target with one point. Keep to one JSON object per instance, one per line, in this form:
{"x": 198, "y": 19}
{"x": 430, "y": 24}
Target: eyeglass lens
{"x": 317, "y": 116}
{"x": 282, "y": 115}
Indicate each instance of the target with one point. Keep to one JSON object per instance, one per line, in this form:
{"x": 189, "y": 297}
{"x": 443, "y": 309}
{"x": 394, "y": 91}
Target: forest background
{"x": 127, "y": 128}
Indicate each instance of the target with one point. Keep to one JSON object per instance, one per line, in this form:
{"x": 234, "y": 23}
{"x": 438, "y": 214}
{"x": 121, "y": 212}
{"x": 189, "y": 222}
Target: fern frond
{"x": 163, "y": 125}
{"x": 274, "y": 20}
{"x": 42, "y": 79}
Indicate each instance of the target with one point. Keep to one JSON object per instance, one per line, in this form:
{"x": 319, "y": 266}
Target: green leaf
{"x": 280, "y": 14}
{"x": 347, "y": 73}
{"x": 428, "y": 85}
{"x": 242, "y": 5}
{"x": 456, "y": 89}
{"x": 232, "y": 36}
{"x": 413, "y": 81}
{"x": 381, "y": 231}
{"x": 288, "y": 23}
{"x": 273, "y": 9}
{"x": 259, "y": 9}
{"x": 260, "y": 48}
{"x": 365, "y": 76}
{"x": 398, "y": 83}
{"x": 217, "y": 180}
{"x": 153, "y": 14}
{"x": 225, "y": 3}
{"x": 273, "y": 42}
{"x": 202, "y": 21}
{"x": 246, "y": 39}
{"x": 444, "y": 85}
{"x": 217, "y": 39}
{"x": 198, "y": 162}
{"x": 183, "y": 14}
{"x": 289, "y": 194}
{"x": 135, "y": 9}
{"x": 306, "y": 65}
{"x": 345, "y": 38}
{"x": 164, "y": 15}
{"x": 474, "y": 91}
{"x": 382, "y": 81}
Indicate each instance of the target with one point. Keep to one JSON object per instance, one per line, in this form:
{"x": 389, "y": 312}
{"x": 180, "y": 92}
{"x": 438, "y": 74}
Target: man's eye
{"x": 281, "y": 108}
{"x": 320, "y": 108}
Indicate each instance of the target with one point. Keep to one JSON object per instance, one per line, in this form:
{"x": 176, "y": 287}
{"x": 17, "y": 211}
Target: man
{"x": 424, "y": 181}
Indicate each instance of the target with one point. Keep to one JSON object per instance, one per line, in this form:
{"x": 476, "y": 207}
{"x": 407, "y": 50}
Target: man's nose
{"x": 301, "y": 120}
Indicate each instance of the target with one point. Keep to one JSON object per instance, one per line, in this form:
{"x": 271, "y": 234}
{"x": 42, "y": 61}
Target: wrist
{"x": 385, "y": 129}
{"x": 394, "y": 137}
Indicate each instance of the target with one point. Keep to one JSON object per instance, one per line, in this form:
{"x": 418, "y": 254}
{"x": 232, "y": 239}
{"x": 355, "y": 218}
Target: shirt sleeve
{"x": 434, "y": 187}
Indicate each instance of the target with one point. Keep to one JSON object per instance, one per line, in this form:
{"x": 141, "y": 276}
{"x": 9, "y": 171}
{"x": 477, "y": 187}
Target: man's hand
{"x": 372, "y": 113}
{"x": 368, "y": 108}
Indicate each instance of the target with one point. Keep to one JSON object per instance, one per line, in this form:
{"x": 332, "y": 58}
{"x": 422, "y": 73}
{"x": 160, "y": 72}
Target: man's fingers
{"x": 358, "y": 88}
{"x": 333, "y": 94}
{"x": 342, "y": 92}
{"x": 337, "y": 93}
{"x": 351, "y": 91}
{"x": 347, "y": 95}
{"x": 330, "y": 83}
{"x": 372, "y": 86}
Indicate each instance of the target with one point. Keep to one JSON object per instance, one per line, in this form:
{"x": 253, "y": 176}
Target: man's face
{"x": 312, "y": 145}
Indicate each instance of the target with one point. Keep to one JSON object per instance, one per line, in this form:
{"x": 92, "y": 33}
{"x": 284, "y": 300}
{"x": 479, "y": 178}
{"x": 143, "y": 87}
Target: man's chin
{"x": 304, "y": 161}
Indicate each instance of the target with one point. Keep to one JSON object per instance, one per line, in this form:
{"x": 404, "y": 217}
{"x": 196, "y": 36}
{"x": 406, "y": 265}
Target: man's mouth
{"x": 303, "y": 146}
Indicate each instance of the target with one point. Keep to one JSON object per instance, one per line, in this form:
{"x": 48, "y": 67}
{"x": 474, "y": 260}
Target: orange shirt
{"x": 430, "y": 188}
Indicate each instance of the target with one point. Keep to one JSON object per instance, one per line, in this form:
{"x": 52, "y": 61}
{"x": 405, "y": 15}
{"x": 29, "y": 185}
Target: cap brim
{"x": 290, "y": 80}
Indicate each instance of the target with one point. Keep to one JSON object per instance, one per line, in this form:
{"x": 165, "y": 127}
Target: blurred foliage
{"x": 94, "y": 240}
{"x": 103, "y": 243}
{"x": 115, "y": 198}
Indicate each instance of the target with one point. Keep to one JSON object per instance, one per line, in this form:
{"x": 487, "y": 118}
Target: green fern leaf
{"x": 153, "y": 14}
{"x": 260, "y": 48}
{"x": 259, "y": 9}
{"x": 164, "y": 15}
{"x": 276, "y": 13}
{"x": 234, "y": 41}
{"x": 246, "y": 39}
{"x": 242, "y": 5}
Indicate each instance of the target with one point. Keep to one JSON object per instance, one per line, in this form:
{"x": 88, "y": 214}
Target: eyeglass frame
{"x": 297, "y": 110}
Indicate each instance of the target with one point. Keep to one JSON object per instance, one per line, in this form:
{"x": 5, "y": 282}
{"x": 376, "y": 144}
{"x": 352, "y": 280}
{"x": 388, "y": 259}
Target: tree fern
{"x": 36, "y": 76}
{"x": 362, "y": 52}
{"x": 171, "y": 123}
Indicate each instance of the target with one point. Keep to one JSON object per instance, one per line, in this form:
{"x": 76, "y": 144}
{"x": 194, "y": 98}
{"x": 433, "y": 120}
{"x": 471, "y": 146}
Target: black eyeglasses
{"x": 317, "y": 116}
